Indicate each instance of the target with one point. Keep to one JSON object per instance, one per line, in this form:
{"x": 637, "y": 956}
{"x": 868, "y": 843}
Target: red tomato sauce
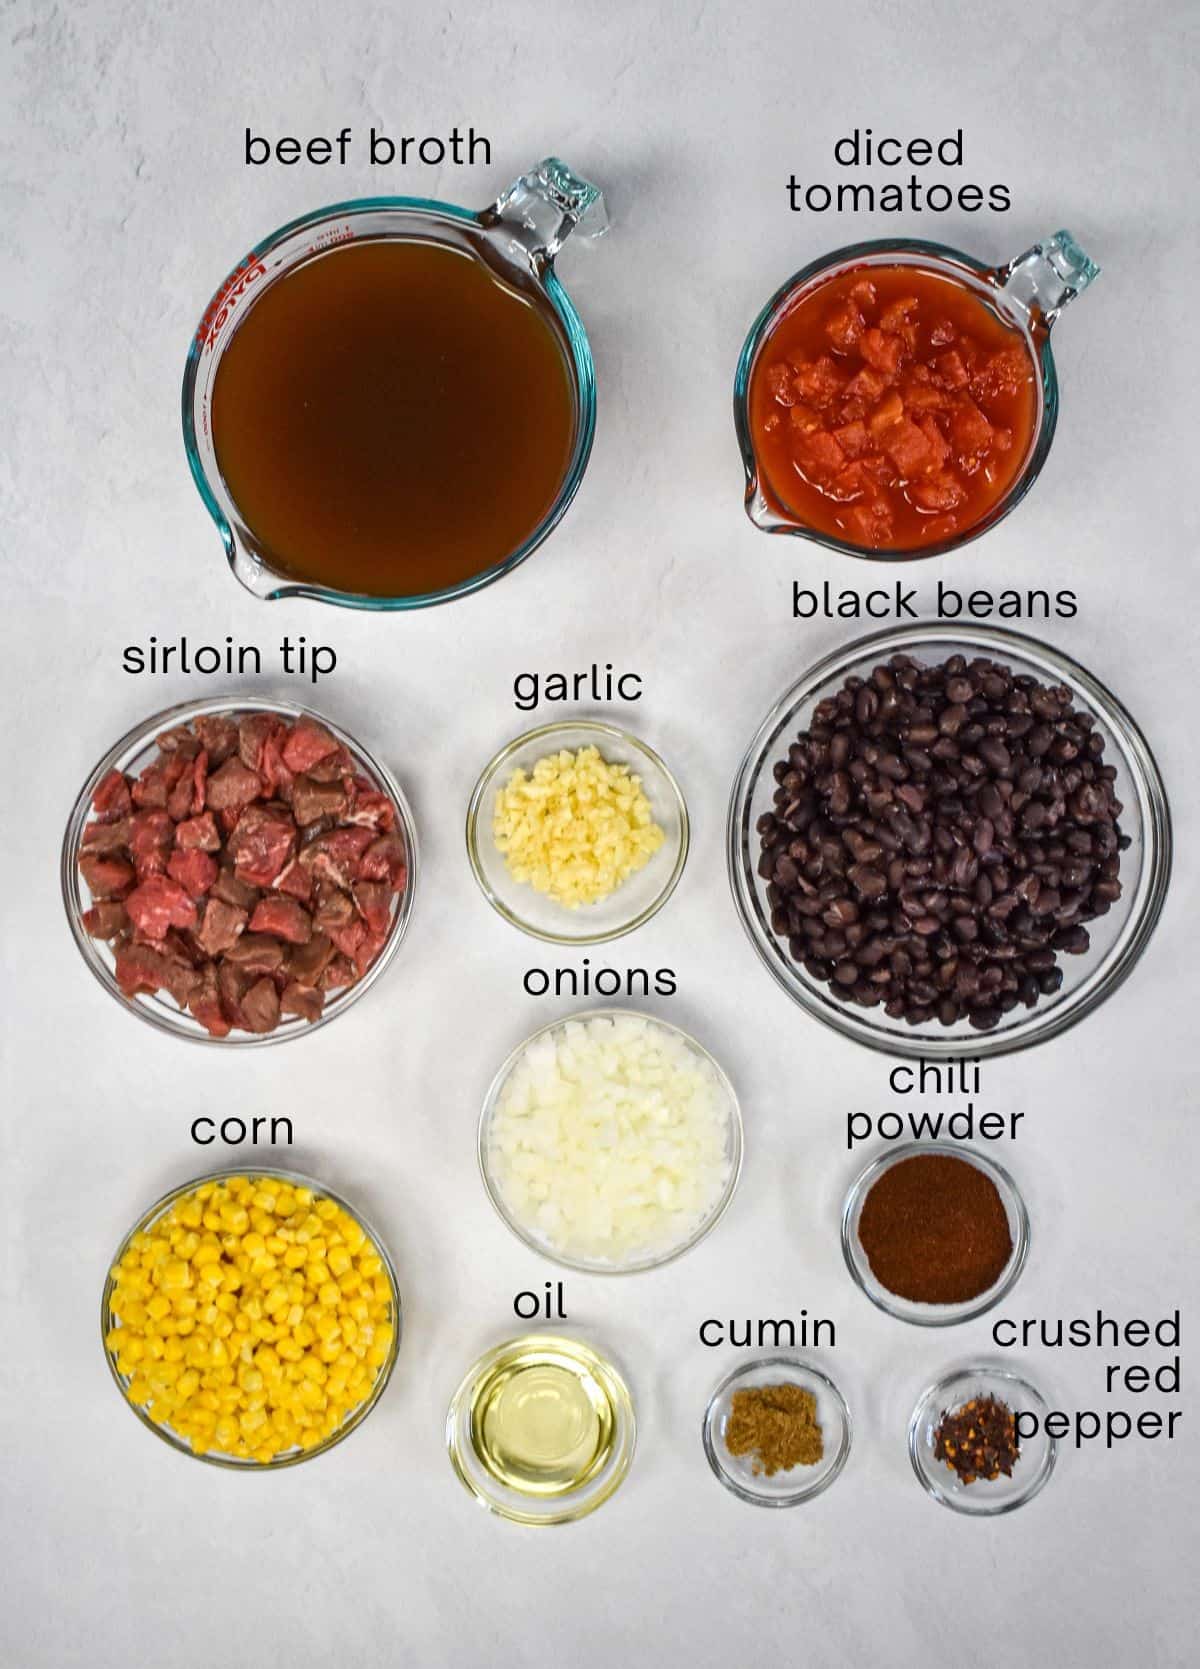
{"x": 891, "y": 408}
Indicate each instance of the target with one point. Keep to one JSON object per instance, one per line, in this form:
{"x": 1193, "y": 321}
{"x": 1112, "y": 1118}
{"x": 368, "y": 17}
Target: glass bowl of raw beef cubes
{"x": 239, "y": 871}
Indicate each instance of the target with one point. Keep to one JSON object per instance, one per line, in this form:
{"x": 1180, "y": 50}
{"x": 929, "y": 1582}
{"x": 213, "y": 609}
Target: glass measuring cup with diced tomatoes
{"x": 896, "y": 399}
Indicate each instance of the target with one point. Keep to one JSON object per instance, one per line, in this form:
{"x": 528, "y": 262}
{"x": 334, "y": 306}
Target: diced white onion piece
{"x": 608, "y": 1142}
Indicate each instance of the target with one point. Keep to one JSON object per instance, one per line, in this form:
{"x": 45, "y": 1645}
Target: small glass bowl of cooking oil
{"x": 541, "y": 1430}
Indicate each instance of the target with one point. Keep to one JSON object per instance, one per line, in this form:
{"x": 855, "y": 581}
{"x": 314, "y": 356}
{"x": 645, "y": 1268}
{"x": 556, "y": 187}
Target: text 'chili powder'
{"x": 934, "y": 1230}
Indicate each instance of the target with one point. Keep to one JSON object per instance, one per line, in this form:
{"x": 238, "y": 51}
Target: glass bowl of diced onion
{"x": 110, "y": 1324}
{"x": 553, "y": 1203}
{"x": 637, "y": 898}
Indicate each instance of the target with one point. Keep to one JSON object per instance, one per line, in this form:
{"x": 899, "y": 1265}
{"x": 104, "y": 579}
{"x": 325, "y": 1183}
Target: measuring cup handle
{"x": 1048, "y": 276}
{"x": 545, "y": 206}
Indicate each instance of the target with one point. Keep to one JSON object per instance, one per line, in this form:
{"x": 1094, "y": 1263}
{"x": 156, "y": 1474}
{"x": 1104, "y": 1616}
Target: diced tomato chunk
{"x": 939, "y": 446}
{"x": 907, "y": 447}
{"x": 942, "y": 333}
{"x": 871, "y": 522}
{"x": 939, "y": 492}
{"x": 819, "y": 454}
{"x": 950, "y": 370}
{"x": 970, "y": 430}
{"x": 1002, "y": 373}
{"x": 898, "y": 313}
{"x": 844, "y": 325}
{"x": 848, "y": 484}
{"x": 779, "y": 381}
{"x": 876, "y": 468}
{"x": 803, "y": 418}
{"x": 867, "y": 385}
{"x": 819, "y": 381}
{"x": 923, "y": 396}
{"x": 883, "y": 353}
{"x": 853, "y": 439}
{"x": 889, "y": 410}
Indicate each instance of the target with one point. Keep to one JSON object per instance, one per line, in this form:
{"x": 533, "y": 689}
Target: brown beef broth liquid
{"x": 391, "y": 418}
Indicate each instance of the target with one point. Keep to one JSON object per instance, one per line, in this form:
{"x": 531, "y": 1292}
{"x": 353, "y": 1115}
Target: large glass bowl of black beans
{"x": 949, "y": 842}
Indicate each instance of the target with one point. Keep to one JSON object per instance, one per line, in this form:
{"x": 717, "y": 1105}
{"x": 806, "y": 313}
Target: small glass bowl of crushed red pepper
{"x": 895, "y": 400}
{"x": 965, "y": 1452}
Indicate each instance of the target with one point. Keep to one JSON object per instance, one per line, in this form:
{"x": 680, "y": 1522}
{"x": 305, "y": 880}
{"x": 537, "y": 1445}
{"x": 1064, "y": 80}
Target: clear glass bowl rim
{"x": 928, "y": 637}
{"x": 736, "y": 1143}
{"x": 627, "y": 1430}
{"x": 291, "y": 1457}
{"x": 942, "y": 1390}
{"x": 875, "y": 251}
{"x": 583, "y": 377}
{"x": 601, "y": 731}
{"x": 787, "y": 1364}
{"x": 142, "y": 735}
{"x": 939, "y": 1315}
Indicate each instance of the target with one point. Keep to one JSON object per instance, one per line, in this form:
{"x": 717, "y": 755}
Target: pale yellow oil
{"x": 542, "y": 1417}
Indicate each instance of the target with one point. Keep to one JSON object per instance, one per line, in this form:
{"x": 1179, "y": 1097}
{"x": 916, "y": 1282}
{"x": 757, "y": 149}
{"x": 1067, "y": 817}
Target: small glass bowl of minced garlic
{"x": 577, "y": 832}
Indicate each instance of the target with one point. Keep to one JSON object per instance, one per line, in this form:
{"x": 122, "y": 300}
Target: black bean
{"x": 941, "y": 834}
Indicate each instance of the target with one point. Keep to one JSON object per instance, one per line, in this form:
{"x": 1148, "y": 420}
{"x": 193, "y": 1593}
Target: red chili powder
{"x": 935, "y": 1230}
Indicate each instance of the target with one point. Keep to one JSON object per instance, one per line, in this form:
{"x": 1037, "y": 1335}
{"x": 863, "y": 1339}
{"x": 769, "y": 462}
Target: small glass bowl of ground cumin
{"x": 776, "y": 1432}
{"x": 934, "y": 1234}
{"x": 976, "y": 1412}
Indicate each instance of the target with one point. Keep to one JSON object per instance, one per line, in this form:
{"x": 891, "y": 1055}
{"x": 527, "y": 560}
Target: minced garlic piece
{"x": 252, "y": 1318}
{"x": 575, "y": 827}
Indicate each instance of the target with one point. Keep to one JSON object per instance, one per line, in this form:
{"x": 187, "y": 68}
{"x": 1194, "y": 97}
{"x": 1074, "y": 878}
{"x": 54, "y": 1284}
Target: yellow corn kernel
{"x": 242, "y": 1321}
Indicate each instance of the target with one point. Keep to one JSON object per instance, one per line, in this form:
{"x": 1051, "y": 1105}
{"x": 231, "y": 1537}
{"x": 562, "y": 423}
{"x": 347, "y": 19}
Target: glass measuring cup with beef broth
{"x": 392, "y": 401}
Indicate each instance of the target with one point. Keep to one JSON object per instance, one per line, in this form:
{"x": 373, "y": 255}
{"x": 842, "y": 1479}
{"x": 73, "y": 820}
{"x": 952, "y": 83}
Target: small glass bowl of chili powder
{"x": 896, "y": 399}
{"x": 934, "y": 1234}
{"x": 942, "y": 1404}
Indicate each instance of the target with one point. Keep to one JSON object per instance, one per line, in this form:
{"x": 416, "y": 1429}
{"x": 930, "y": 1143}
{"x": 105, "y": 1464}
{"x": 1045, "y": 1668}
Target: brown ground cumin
{"x": 778, "y": 1425}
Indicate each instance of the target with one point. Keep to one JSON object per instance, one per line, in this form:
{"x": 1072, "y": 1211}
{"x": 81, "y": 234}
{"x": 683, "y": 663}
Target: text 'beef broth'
{"x": 391, "y": 418}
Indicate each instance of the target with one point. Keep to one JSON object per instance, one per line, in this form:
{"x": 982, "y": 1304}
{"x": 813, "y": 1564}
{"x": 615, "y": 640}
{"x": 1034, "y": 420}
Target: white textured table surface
{"x": 124, "y": 201}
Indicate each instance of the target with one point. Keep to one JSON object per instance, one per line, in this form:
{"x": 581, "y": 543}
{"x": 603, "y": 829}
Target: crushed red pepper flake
{"x": 978, "y": 1440}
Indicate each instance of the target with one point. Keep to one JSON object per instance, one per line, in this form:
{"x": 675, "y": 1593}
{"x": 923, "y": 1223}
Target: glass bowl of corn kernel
{"x": 577, "y": 832}
{"x": 251, "y": 1318}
